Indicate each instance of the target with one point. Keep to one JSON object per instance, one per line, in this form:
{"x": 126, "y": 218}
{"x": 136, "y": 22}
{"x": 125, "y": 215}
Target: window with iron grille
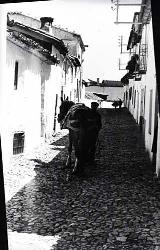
{"x": 18, "y": 143}
{"x": 143, "y": 58}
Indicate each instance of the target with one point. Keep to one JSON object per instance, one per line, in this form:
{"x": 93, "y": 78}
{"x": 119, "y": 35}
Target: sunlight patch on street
{"x": 21, "y": 169}
{"x": 26, "y": 241}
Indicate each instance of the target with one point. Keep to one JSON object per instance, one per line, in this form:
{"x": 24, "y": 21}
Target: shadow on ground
{"x": 116, "y": 207}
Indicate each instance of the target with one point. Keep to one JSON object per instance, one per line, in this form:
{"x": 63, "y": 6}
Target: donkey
{"x": 81, "y": 122}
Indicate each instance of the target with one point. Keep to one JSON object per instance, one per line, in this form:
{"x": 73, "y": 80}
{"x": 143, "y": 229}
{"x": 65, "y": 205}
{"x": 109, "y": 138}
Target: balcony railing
{"x": 137, "y": 66}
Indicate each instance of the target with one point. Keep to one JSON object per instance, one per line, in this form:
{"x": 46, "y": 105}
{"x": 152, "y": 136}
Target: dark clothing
{"x": 120, "y": 103}
{"x": 95, "y": 137}
{"x": 99, "y": 122}
{"x": 97, "y": 119}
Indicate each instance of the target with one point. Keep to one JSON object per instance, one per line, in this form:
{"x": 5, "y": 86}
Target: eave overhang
{"x": 32, "y": 47}
{"x": 37, "y": 35}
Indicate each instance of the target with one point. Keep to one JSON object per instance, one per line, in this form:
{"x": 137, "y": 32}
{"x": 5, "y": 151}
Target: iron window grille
{"x": 143, "y": 58}
{"x": 18, "y": 143}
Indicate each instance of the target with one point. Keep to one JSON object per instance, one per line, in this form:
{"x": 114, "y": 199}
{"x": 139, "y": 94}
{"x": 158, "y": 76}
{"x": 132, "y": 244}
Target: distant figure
{"x": 115, "y": 104}
{"x": 120, "y": 103}
{"x": 94, "y": 106}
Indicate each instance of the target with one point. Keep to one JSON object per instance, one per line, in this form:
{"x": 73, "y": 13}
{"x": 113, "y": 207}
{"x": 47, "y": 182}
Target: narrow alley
{"x": 115, "y": 207}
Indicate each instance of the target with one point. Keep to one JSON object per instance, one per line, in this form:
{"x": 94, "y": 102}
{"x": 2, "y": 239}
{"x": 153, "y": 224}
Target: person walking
{"x": 98, "y": 122}
{"x": 120, "y": 103}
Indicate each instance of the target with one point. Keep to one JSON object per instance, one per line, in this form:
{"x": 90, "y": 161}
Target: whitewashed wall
{"x": 150, "y": 80}
{"x": 24, "y": 104}
{"x": 147, "y": 83}
{"x": 3, "y": 86}
{"x": 52, "y": 87}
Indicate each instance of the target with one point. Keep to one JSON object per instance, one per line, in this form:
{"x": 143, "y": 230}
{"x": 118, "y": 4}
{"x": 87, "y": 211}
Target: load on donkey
{"x": 83, "y": 124}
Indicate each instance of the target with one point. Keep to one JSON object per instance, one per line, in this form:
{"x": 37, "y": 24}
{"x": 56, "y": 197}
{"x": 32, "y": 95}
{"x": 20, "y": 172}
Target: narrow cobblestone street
{"x": 116, "y": 207}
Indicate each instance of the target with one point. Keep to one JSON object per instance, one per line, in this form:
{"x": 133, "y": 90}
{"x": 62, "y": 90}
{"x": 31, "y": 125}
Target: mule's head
{"x": 64, "y": 107}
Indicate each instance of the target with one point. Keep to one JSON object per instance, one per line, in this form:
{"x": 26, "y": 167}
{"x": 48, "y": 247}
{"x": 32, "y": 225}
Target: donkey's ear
{"x": 67, "y": 98}
{"x": 61, "y": 99}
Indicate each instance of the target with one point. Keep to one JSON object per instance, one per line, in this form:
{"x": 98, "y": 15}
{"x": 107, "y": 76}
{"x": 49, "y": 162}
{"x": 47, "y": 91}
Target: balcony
{"x": 137, "y": 66}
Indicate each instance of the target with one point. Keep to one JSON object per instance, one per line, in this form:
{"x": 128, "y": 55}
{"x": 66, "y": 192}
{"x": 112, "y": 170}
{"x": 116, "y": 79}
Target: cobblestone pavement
{"x": 117, "y": 206}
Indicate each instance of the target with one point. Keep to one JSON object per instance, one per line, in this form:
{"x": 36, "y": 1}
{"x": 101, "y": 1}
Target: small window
{"x": 126, "y": 96}
{"x": 16, "y": 76}
{"x": 18, "y": 143}
{"x": 130, "y": 93}
{"x": 71, "y": 74}
{"x": 75, "y": 71}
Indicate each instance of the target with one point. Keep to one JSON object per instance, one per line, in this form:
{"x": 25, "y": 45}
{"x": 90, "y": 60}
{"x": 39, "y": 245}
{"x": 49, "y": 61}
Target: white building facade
{"x": 140, "y": 95}
{"x": 39, "y": 71}
{"x": 72, "y": 64}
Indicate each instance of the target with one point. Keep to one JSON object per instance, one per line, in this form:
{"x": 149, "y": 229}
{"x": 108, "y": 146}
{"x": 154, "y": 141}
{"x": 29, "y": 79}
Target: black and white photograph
{"x": 80, "y": 125}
